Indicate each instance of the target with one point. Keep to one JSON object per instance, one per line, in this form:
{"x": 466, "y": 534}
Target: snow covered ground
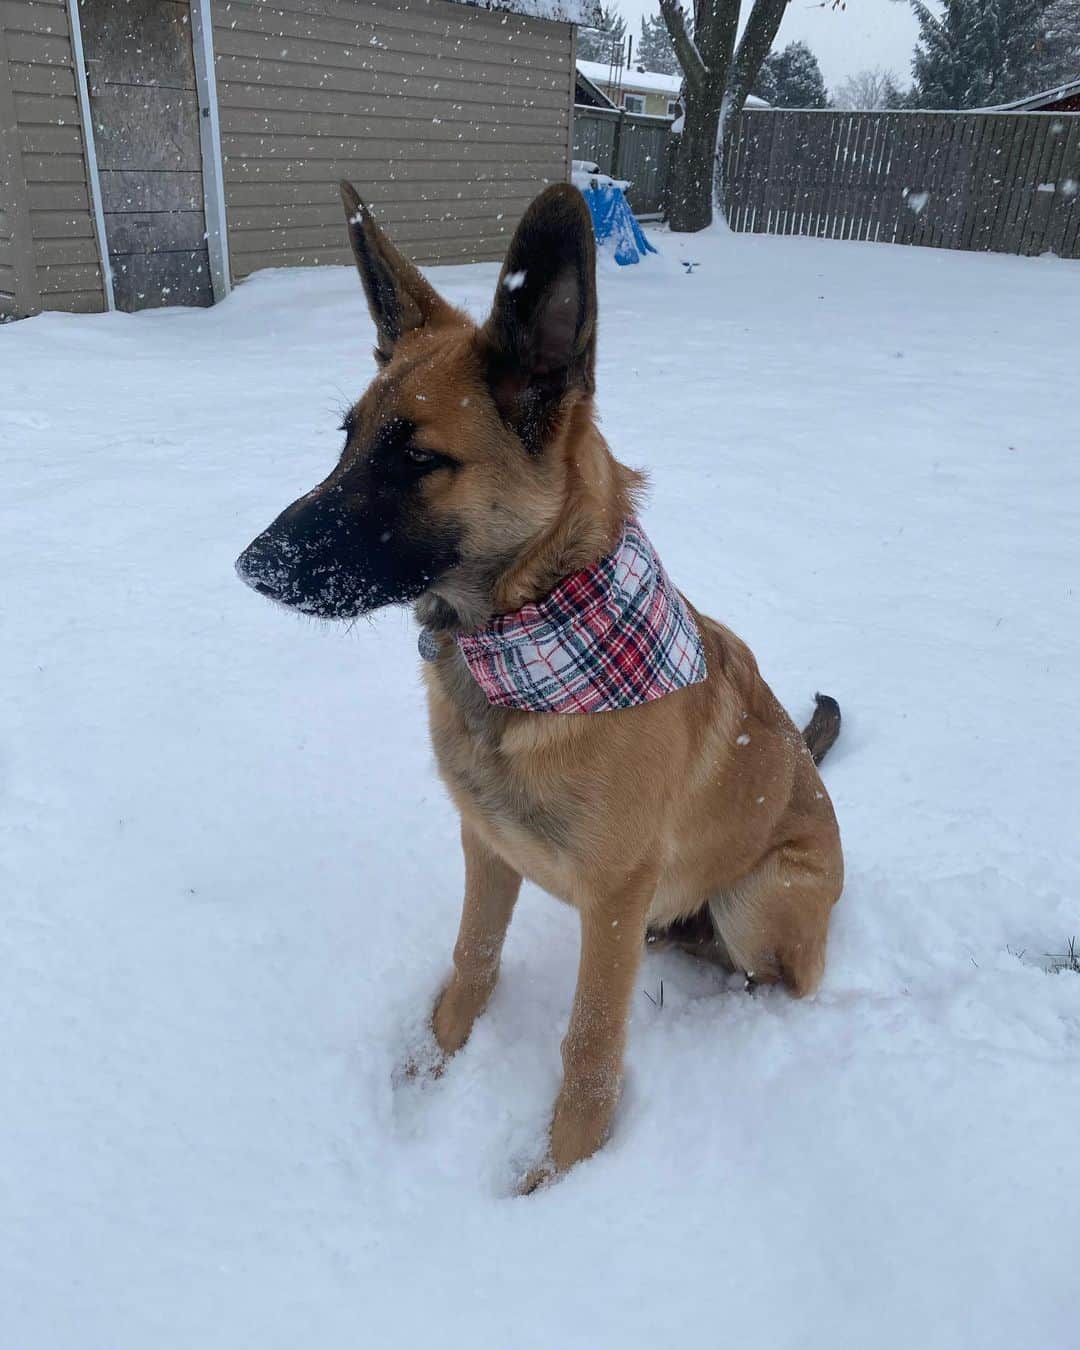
{"x": 229, "y": 877}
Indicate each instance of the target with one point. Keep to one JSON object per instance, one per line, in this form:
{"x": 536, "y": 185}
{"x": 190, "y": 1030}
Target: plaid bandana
{"x": 614, "y": 635}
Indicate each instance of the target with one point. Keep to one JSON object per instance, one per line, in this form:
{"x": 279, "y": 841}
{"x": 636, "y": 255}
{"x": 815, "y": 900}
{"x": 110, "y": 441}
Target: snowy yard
{"x": 230, "y": 879}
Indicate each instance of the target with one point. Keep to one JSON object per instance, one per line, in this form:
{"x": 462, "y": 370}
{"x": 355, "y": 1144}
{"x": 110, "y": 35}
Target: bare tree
{"x": 717, "y": 77}
{"x": 868, "y": 90}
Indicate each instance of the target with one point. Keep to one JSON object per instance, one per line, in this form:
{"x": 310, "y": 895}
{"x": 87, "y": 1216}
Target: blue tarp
{"x": 613, "y": 220}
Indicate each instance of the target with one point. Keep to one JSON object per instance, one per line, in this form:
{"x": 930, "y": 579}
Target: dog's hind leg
{"x": 491, "y": 890}
{"x": 774, "y": 922}
{"x": 695, "y": 935}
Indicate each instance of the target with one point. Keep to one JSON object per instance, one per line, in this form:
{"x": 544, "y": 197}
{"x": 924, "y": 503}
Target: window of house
{"x": 672, "y": 107}
{"x": 634, "y": 103}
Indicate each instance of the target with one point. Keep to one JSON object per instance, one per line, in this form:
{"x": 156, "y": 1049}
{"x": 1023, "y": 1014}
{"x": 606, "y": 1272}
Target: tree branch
{"x": 757, "y": 40}
{"x": 693, "y": 67}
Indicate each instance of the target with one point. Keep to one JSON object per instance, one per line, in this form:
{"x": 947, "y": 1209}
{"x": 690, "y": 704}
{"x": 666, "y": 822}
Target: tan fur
{"x": 638, "y": 818}
{"x": 703, "y": 806}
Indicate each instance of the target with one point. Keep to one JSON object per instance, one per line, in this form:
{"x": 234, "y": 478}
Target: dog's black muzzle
{"x": 323, "y": 556}
{"x": 308, "y": 558}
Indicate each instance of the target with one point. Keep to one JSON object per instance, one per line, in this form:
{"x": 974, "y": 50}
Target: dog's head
{"x": 446, "y": 473}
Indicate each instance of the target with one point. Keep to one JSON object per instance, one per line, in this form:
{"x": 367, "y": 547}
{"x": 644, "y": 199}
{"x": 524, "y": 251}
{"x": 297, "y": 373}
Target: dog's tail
{"x": 823, "y": 728}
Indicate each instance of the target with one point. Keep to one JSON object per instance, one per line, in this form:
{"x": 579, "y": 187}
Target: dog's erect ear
{"x": 398, "y": 296}
{"x": 540, "y": 339}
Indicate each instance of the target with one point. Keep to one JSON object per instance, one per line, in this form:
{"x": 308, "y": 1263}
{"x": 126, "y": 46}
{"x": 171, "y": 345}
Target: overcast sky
{"x": 867, "y": 33}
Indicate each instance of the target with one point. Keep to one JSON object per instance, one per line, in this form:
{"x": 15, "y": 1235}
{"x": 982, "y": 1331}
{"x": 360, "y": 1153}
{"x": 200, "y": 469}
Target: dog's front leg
{"x": 491, "y": 889}
{"x": 612, "y": 941}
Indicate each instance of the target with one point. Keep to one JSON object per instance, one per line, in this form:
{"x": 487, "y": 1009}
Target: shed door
{"x": 141, "y": 73}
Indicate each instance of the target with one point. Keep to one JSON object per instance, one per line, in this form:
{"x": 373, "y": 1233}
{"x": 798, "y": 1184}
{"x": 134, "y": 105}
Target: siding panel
{"x": 385, "y": 161}
{"x": 403, "y": 54}
{"x": 46, "y": 261}
{"x": 449, "y": 119}
{"x": 294, "y": 133}
{"x": 38, "y": 139}
{"x": 61, "y": 265}
{"x": 363, "y": 28}
{"x": 67, "y": 266}
{"x": 44, "y": 49}
{"x": 367, "y": 93}
{"x": 75, "y": 224}
{"x": 67, "y": 168}
{"x": 469, "y": 202}
{"x": 259, "y": 185}
{"x": 68, "y": 278}
{"x": 11, "y": 185}
{"x": 34, "y": 16}
{"x": 47, "y": 110}
{"x": 73, "y": 197}
{"x": 50, "y": 79}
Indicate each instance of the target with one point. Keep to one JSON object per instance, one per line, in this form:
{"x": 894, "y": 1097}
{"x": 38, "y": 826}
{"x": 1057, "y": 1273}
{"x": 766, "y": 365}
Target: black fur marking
{"x": 358, "y": 542}
{"x": 382, "y": 295}
{"x": 541, "y": 334}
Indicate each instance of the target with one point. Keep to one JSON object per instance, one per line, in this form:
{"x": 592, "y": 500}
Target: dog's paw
{"x": 537, "y": 1178}
{"x": 455, "y": 1013}
{"x": 424, "y": 1063}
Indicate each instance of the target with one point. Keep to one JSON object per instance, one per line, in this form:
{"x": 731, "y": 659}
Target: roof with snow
{"x": 588, "y": 92}
{"x": 559, "y": 11}
{"x": 649, "y": 81}
{"x": 1033, "y": 101}
{"x": 642, "y": 81}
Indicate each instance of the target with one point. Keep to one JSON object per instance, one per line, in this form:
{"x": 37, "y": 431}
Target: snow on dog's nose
{"x": 262, "y": 567}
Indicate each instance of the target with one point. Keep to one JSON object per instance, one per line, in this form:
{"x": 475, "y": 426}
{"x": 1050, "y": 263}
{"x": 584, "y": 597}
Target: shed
{"x": 1062, "y": 98}
{"x": 587, "y": 94}
{"x": 191, "y": 142}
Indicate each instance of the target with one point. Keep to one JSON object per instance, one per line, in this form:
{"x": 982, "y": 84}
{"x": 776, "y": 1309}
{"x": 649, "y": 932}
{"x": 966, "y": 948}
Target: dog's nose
{"x": 259, "y": 565}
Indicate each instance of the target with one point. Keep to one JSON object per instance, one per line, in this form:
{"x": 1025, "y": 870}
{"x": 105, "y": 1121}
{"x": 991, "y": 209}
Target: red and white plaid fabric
{"x": 611, "y": 636}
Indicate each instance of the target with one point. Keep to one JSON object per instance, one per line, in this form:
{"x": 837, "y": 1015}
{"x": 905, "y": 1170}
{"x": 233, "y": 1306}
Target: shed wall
{"x": 447, "y": 118}
{"x": 47, "y": 240}
{"x": 10, "y": 173}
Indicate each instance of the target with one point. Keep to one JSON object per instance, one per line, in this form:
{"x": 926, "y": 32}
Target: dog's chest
{"x": 499, "y": 775}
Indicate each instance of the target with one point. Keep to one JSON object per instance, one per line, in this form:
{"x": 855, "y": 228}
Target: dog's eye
{"x": 418, "y": 456}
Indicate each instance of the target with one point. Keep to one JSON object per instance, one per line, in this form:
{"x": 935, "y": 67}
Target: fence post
{"x": 616, "y": 146}
{"x": 671, "y": 151}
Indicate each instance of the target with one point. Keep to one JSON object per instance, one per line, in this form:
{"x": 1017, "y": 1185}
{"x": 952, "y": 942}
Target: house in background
{"x": 155, "y": 151}
{"x": 635, "y": 89}
{"x": 1063, "y": 98}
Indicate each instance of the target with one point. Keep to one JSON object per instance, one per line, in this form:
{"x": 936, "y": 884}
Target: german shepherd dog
{"x": 472, "y": 482}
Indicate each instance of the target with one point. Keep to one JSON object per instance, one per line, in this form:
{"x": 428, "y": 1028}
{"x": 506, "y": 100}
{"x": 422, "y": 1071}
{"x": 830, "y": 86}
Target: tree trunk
{"x": 690, "y": 196}
{"x": 711, "y": 68}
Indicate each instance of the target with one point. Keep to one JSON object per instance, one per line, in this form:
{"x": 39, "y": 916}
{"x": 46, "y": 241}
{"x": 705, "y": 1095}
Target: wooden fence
{"x": 627, "y": 145}
{"x": 1000, "y": 182}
